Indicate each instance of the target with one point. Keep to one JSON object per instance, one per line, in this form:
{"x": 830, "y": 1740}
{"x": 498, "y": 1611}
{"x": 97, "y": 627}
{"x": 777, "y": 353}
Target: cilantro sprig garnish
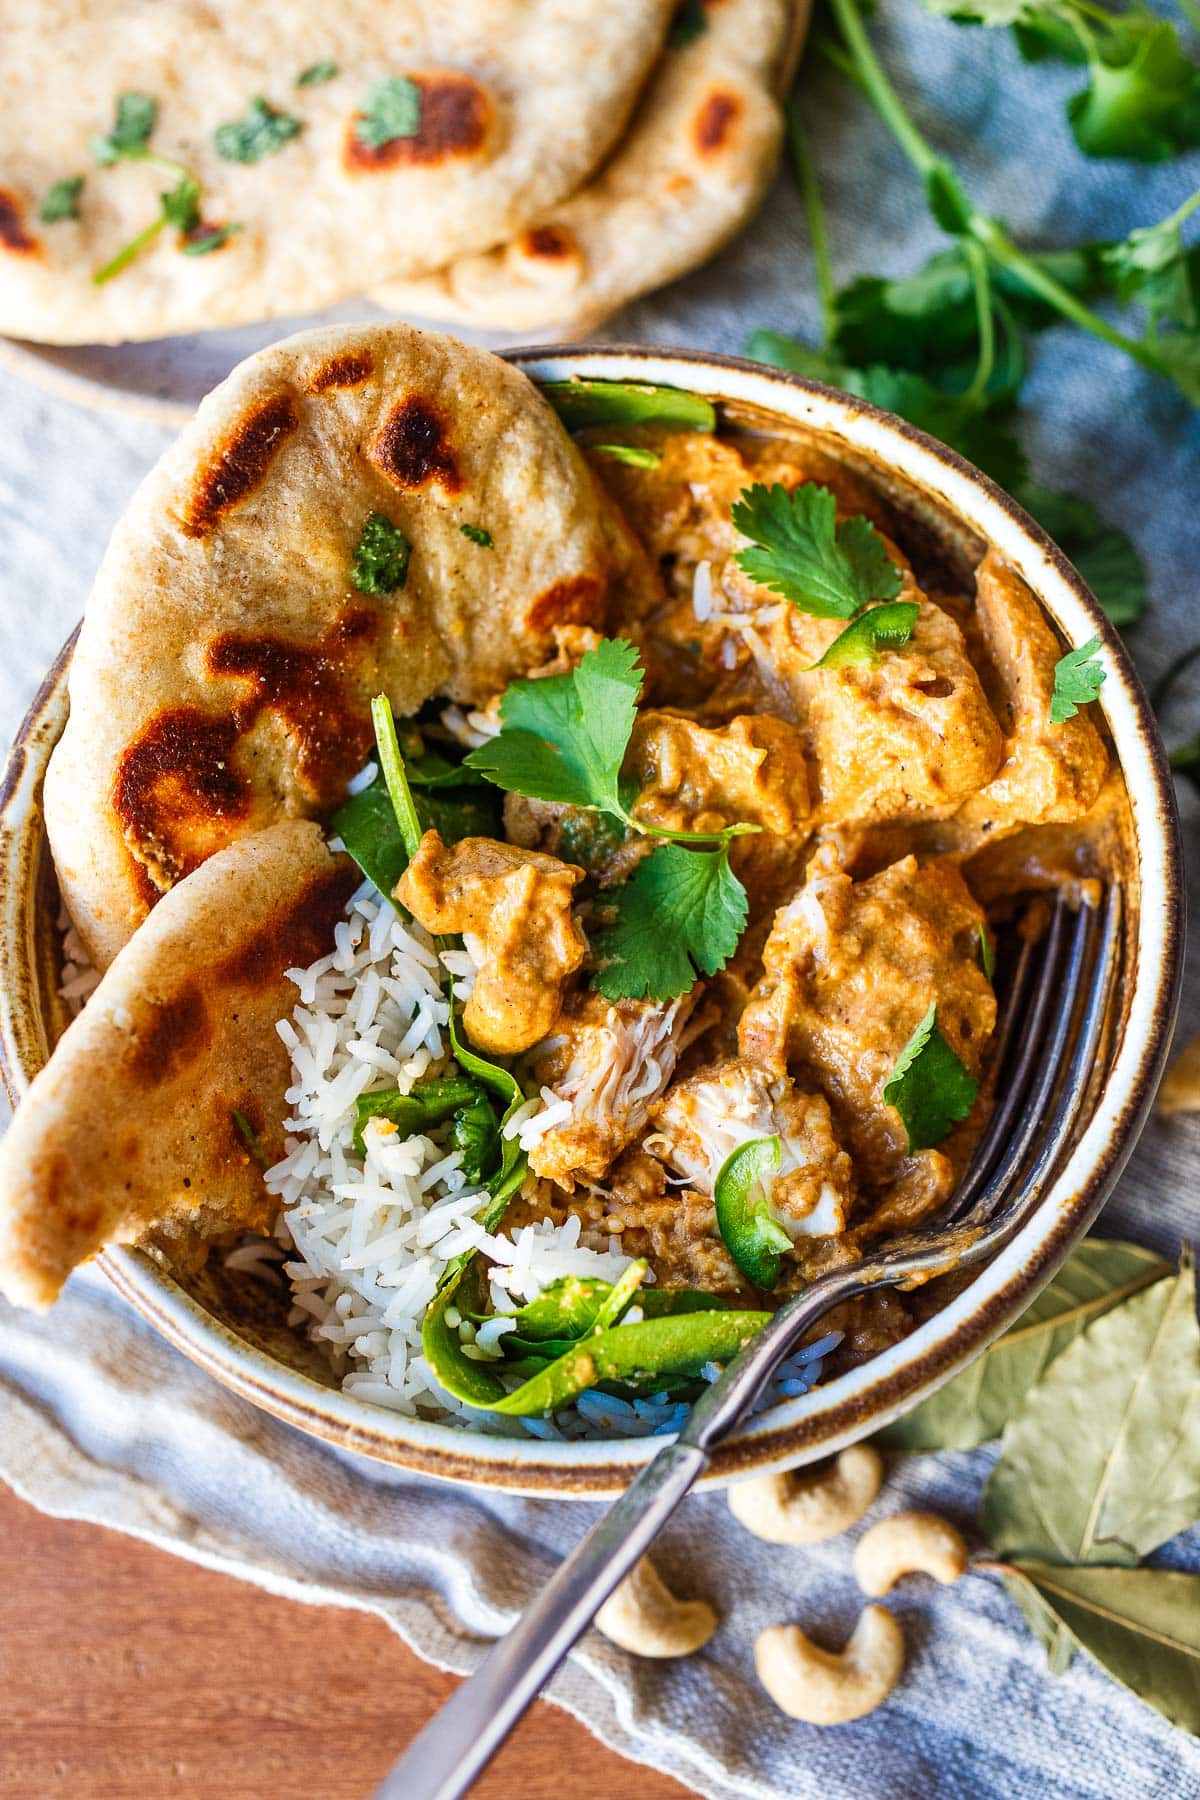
{"x": 563, "y": 739}
{"x": 1078, "y": 678}
{"x": 379, "y": 564}
{"x": 799, "y": 550}
{"x": 929, "y": 1086}
{"x": 945, "y": 349}
{"x": 263, "y": 130}
{"x": 62, "y": 200}
{"x": 129, "y": 141}
{"x": 392, "y": 110}
{"x": 680, "y": 915}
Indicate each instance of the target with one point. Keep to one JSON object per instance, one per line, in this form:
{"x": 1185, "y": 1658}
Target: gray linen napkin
{"x": 101, "y": 1420}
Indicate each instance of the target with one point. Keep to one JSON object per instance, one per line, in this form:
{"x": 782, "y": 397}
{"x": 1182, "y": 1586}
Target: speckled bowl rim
{"x": 867, "y": 1398}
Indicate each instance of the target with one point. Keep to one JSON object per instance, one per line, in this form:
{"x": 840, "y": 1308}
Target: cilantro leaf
{"x": 137, "y": 115}
{"x": 1141, "y": 100}
{"x": 690, "y": 22}
{"x": 800, "y": 551}
{"x": 1105, "y": 557}
{"x": 929, "y": 1086}
{"x": 581, "y": 403}
{"x": 881, "y": 627}
{"x": 633, "y": 454}
{"x": 317, "y": 74}
{"x": 1078, "y": 678}
{"x": 381, "y": 556}
{"x": 477, "y": 535}
{"x": 205, "y": 238}
{"x": 1151, "y": 267}
{"x": 181, "y": 204}
{"x": 564, "y": 737}
{"x": 62, "y": 200}
{"x": 681, "y": 914}
{"x": 1178, "y": 355}
{"x": 262, "y": 131}
{"x": 393, "y": 110}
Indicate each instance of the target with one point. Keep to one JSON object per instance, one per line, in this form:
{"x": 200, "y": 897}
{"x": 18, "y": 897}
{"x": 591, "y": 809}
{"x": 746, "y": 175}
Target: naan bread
{"x": 694, "y": 165}
{"x": 226, "y": 664}
{"x": 129, "y": 1133}
{"x": 521, "y": 99}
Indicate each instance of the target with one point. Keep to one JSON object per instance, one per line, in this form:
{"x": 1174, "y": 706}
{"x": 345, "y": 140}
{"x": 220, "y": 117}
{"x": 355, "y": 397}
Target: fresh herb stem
{"x": 132, "y": 250}
{"x": 982, "y": 282}
{"x": 814, "y": 212}
{"x": 682, "y": 837}
{"x": 980, "y": 228}
{"x": 392, "y": 764}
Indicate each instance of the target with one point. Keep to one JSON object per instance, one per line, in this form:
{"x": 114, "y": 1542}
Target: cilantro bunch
{"x": 563, "y": 740}
{"x": 1142, "y": 98}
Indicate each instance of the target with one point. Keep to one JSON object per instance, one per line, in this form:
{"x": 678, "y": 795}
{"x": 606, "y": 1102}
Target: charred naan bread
{"x": 695, "y": 163}
{"x": 129, "y": 1132}
{"x": 226, "y": 664}
{"x": 517, "y": 101}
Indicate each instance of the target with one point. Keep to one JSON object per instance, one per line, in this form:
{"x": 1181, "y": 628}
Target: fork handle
{"x": 443, "y": 1760}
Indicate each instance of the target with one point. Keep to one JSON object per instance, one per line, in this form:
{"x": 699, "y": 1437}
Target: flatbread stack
{"x": 525, "y": 164}
{"x": 220, "y": 700}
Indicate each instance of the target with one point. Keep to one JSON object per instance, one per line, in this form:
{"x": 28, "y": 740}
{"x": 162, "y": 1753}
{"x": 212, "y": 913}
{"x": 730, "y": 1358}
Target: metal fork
{"x": 1052, "y": 1026}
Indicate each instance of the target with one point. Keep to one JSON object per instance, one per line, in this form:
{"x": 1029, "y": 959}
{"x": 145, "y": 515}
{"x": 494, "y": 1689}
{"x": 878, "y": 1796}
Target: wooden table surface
{"x": 125, "y": 1672}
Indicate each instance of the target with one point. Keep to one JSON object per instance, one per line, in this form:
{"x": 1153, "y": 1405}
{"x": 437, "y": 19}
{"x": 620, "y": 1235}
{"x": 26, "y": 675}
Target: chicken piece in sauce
{"x": 513, "y": 908}
{"x": 694, "y": 779}
{"x": 611, "y": 1060}
{"x": 849, "y": 971}
{"x": 704, "y": 1119}
{"x": 1051, "y": 772}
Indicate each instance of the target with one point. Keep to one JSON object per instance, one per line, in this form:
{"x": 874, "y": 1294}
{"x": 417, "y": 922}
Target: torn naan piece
{"x": 691, "y": 170}
{"x": 417, "y": 134}
{"x": 354, "y": 511}
{"x": 146, "y": 1121}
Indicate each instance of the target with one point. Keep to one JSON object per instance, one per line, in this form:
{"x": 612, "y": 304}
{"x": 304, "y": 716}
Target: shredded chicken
{"x": 703, "y": 1119}
{"x": 513, "y": 908}
{"x": 611, "y": 1060}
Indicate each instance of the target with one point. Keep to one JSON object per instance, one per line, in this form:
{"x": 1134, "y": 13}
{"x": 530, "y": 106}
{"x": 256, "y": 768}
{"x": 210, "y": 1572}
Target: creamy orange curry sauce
{"x": 907, "y": 807}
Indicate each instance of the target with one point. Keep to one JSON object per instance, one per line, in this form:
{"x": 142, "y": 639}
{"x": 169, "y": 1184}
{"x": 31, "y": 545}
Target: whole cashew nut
{"x": 642, "y": 1615}
{"x": 907, "y": 1544}
{"x": 805, "y": 1508}
{"x": 823, "y": 1687}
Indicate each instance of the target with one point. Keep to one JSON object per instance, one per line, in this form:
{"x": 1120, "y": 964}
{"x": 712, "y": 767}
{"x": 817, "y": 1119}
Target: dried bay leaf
{"x": 1102, "y": 1463}
{"x": 977, "y": 1404}
{"x": 1141, "y": 1625}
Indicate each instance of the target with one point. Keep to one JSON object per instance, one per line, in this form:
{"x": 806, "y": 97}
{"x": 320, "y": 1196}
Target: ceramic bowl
{"x": 235, "y": 1329}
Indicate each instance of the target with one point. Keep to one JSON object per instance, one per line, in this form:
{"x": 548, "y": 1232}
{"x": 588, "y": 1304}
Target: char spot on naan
{"x": 301, "y": 932}
{"x": 413, "y": 449}
{"x": 170, "y": 1036}
{"x": 579, "y": 601}
{"x": 178, "y": 771}
{"x": 305, "y": 685}
{"x": 13, "y": 235}
{"x": 241, "y": 465}
{"x": 348, "y": 370}
{"x": 549, "y": 243}
{"x": 714, "y": 121}
{"x": 456, "y": 118}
